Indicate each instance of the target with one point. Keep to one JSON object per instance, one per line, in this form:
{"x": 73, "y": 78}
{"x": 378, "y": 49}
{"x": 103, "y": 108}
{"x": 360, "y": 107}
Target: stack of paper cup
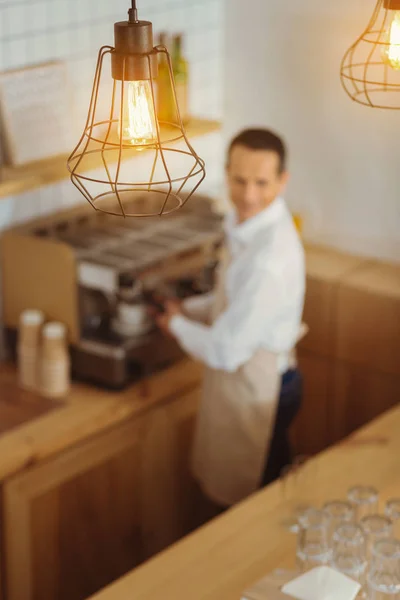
{"x": 55, "y": 363}
{"x": 28, "y": 350}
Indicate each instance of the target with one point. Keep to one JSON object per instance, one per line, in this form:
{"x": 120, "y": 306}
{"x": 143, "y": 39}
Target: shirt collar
{"x": 245, "y": 232}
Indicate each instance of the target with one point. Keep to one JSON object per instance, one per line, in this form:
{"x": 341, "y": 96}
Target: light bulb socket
{"x": 134, "y": 48}
{"x": 391, "y": 4}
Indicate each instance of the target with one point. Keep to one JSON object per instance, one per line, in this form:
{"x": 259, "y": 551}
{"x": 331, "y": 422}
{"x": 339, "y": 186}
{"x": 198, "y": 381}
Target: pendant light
{"x": 370, "y": 71}
{"x": 123, "y": 135}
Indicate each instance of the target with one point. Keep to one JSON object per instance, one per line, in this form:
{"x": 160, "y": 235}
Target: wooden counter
{"x": 229, "y": 554}
{"x": 97, "y": 486}
{"x": 88, "y": 411}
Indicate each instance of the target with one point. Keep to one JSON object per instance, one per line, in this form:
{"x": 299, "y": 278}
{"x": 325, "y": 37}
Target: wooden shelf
{"x": 14, "y": 180}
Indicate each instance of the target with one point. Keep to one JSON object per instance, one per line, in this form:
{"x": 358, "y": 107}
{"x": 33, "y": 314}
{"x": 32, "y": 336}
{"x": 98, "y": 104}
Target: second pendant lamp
{"x": 122, "y": 121}
{"x": 370, "y": 71}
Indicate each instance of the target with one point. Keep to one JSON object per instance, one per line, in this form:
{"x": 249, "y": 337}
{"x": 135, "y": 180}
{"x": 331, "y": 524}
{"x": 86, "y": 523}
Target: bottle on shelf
{"x": 55, "y": 362}
{"x": 180, "y": 69}
{"x": 165, "y": 100}
{"x": 28, "y": 348}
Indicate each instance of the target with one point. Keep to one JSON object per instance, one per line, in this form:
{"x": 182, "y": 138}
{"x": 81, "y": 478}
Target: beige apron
{"x": 235, "y": 421}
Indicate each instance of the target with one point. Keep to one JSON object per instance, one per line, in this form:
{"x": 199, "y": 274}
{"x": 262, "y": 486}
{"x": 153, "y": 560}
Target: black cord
{"x": 132, "y": 12}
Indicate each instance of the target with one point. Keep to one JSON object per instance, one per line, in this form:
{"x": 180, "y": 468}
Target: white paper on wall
{"x": 36, "y": 112}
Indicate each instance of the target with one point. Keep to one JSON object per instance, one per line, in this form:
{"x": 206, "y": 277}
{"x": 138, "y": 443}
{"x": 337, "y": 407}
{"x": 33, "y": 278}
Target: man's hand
{"x": 171, "y": 308}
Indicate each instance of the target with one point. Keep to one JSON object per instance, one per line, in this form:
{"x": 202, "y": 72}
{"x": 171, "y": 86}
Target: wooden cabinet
{"x": 359, "y": 395}
{"x": 171, "y": 502}
{"x": 84, "y": 518}
{"x": 72, "y": 524}
{"x": 338, "y": 399}
{"x": 351, "y": 357}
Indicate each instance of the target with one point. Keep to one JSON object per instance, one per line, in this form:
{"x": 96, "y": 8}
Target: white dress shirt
{"x": 264, "y": 287}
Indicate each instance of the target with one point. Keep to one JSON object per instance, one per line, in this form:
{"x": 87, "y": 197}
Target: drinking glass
{"x": 375, "y": 527}
{"x": 364, "y": 498}
{"x": 312, "y": 540}
{"x": 338, "y": 511}
{"x": 392, "y": 510}
{"x": 349, "y": 551}
{"x": 383, "y": 580}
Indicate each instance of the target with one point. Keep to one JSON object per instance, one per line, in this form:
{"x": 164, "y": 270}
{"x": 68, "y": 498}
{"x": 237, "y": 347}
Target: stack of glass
{"x": 352, "y": 537}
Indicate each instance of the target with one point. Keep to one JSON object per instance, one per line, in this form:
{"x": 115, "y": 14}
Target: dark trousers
{"x": 279, "y": 453}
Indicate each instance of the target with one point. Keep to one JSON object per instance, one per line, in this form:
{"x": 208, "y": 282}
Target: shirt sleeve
{"x": 239, "y": 331}
{"x": 198, "y": 307}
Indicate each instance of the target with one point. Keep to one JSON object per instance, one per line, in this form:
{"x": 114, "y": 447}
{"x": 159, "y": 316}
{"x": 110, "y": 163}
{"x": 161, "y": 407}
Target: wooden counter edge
{"x": 88, "y": 411}
{"x": 230, "y": 553}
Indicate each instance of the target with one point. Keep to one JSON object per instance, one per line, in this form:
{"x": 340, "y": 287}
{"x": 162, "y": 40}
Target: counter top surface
{"x": 85, "y": 412}
{"x": 229, "y": 554}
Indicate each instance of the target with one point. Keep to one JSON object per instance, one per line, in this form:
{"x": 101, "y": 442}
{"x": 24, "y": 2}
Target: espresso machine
{"x": 98, "y": 274}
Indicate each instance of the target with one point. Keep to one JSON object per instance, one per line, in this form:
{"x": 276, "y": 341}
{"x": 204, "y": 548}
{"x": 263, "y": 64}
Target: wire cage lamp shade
{"x": 127, "y": 162}
{"x": 370, "y": 70}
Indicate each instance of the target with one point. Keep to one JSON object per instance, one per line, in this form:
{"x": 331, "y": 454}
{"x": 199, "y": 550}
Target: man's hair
{"x": 261, "y": 139}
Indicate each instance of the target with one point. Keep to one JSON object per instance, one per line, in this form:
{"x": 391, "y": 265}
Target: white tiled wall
{"x": 35, "y": 31}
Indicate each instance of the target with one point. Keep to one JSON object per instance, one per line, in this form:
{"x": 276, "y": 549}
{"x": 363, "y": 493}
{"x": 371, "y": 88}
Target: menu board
{"x": 35, "y": 111}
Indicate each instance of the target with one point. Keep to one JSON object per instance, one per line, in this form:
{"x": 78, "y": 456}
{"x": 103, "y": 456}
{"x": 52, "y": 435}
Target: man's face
{"x": 254, "y": 180}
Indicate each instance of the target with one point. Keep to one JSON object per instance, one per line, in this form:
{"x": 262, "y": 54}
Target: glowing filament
{"x": 138, "y": 118}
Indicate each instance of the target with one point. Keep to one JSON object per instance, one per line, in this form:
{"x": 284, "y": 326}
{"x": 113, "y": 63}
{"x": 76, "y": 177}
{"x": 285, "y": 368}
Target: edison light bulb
{"x": 391, "y": 49}
{"x": 138, "y": 118}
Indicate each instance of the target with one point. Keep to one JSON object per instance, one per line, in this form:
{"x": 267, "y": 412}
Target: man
{"x": 245, "y": 331}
